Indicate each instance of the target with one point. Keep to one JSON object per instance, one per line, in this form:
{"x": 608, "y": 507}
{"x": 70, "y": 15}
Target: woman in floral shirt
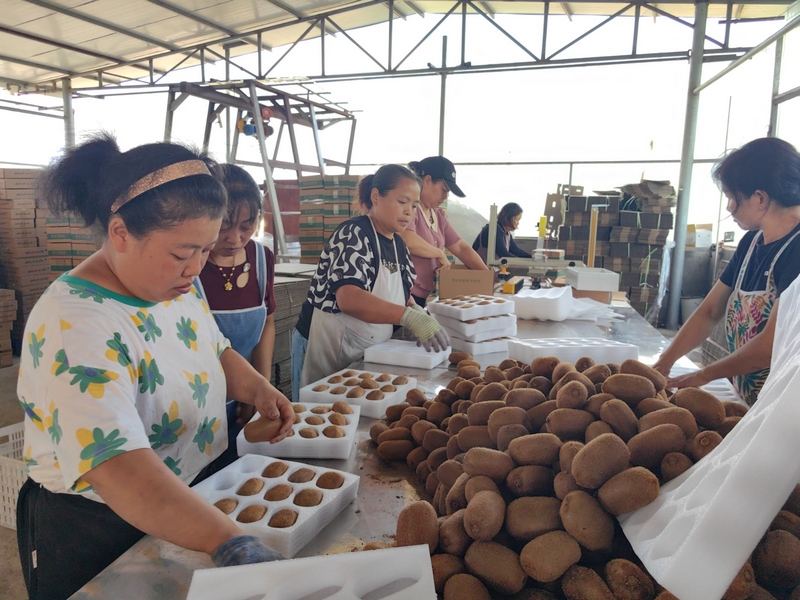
{"x": 124, "y": 373}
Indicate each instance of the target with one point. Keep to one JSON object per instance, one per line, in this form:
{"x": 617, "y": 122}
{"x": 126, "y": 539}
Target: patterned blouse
{"x": 102, "y": 374}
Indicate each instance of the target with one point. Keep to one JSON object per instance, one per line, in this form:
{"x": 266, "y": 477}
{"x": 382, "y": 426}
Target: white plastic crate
{"x": 391, "y": 574}
{"x": 571, "y": 349}
{"x": 12, "y": 472}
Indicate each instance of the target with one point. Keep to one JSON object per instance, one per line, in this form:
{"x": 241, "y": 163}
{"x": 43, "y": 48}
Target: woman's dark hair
{"x": 767, "y": 164}
{"x": 507, "y": 214}
{"x": 87, "y": 180}
{"x": 385, "y": 180}
{"x": 242, "y": 191}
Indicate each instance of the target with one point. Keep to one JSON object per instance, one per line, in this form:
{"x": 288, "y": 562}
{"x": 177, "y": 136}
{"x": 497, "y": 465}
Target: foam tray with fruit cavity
{"x": 283, "y": 488}
{"x": 331, "y": 388}
{"x": 476, "y": 348}
{"x": 311, "y": 435}
{"x": 465, "y": 308}
{"x": 705, "y": 523}
{"x": 721, "y": 388}
{"x": 465, "y": 329}
{"x": 571, "y": 349}
{"x": 402, "y": 353}
{"x": 391, "y": 574}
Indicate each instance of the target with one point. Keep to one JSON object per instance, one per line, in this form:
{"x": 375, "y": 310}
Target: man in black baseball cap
{"x": 440, "y": 169}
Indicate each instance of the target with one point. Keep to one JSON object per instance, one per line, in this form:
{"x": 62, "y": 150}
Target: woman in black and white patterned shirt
{"x": 362, "y": 287}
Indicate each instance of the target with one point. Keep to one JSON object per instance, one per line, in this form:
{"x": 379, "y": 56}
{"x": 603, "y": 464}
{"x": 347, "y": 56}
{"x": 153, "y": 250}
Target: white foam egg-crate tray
{"x": 391, "y": 574}
{"x": 721, "y": 388}
{"x": 404, "y": 354}
{"x": 476, "y": 348}
{"x": 545, "y": 304}
{"x": 464, "y": 308}
{"x": 592, "y": 278}
{"x": 489, "y": 334}
{"x": 310, "y": 519}
{"x": 705, "y": 523}
{"x": 374, "y": 409}
{"x": 466, "y": 329}
{"x": 298, "y": 445}
{"x": 571, "y": 349}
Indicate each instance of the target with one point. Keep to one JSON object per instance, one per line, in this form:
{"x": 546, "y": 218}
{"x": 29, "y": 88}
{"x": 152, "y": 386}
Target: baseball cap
{"x": 438, "y": 167}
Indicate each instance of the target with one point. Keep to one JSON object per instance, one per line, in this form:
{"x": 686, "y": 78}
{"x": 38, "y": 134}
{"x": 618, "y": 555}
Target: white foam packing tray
{"x": 310, "y": 519}
{"x": 392, "y": 574}
{"x": 592, "y": 278}
{"x": 465, "y": 329}
{"x": 721, "y": 388}
{"x": 705, "y": 523}
{"x": 465, "y": 308}
{"x": 373, "y": 409}
{"x": 404, "y": 354}
{"x": 489, "y": 334}
{"x": 476, "y": 348}
{"x": 545, "y": 304}
{"x": 297, "y": 446}
{"x": 571, "y": 349}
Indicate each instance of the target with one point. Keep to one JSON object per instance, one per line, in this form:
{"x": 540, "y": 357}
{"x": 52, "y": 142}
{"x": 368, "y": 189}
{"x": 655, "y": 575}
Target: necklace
{"x": 228, "y": 285}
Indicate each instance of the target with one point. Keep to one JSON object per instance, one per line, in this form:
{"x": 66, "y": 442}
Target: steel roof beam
{"x": 487, "y": 9}
{"x": 415, "y": 8}
{"x": 294, "y": 12}
{"x": 35, "y": 65}
{"x": 679, "y": 20}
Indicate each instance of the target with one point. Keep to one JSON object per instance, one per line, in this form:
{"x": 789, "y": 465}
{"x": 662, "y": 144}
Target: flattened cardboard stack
{"x": 573, "y": 236}
{"x": 290, "y": 293}
{"x": 23, "y": 259}
{"x": 8, "y": 313}
{"x": 69, "y": 243}
{"x": 325, "y": 202}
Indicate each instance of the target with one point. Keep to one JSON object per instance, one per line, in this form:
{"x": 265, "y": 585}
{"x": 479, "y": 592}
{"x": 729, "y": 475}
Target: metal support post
{"x": 292, "y": 138}
{"x": 168, "y": 119}
{"x": 442, "y": 96}
{"x": 207, "y": 130}
{"x": 544, "y": 28}
{"x": 776, "y": 84}
{"x": 687, "y": 163}
{"x": 317, "y": 144}
{"x": 391, "y": 32}
{"x": 227, "y": 108}
{"x": 491, "y": 238}
{"x": 322, "y": 45}
{"x": 280, "y": 238}
{"x": 235, "y": 142}
{"x": 350, "y": 146}
{"x": 69, "y": 115}
{"x": 463, "y": 33}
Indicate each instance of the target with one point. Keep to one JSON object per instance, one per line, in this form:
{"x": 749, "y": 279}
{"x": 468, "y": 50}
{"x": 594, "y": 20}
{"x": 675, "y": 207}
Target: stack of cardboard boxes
{"x": 69, "y": 243}
{"x": 573, "y": 236}
{"x": 325, "y": 202}
{"x": 23, "y": 260}
{"x": 8, "y": 313}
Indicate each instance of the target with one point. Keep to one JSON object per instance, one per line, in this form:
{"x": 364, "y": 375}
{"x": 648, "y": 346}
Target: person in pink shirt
{"x": 430, "y": 232}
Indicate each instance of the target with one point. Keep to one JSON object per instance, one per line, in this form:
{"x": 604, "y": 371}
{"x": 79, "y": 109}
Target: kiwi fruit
{"x": 569, "y": 378}
{"x": 419, "y": 411}
{"x": 507, "y": 363}
{"x": 337, "y": 379}
{"x": 629, "y": 388}
{"x": 315, "y": 420}
{"x": 743, "y": 585}
{"x": 400, "y": 380}
{"x": 582, "y": 583}
{"x": 649, "y": 405}
{"x": 453, "y": 538}
{"x": 350, "y": 373}
{"x": 299, "y": 408}
{"x": 226, "y": 505}
{"x": 284, "y": 518}
{"x": 452, "y": 450}
{"x": 513, "y": 372}
{"x": 302, "y": 475}
{"x": 629, "y": 490}
{"x": 463, "y": 586}
{"x": 457, "y": 357}
{"x": 435, "y": 438}
{"x": 456, "y": 423}
{"x": 505, "y": 415}
{"x": 484, "y": 515}
{"x": 419, "y": 429}
{"x": 776, "y": 560}
{"x": 330, "y": 480}
{"x": 376, "y": 430}
{"x": 438, "y": 412}
{"x": 337, "y": 419}
{"x": 464, "y": 389}
{"x": 447, "y": 397}
{"x": 342, "y": 407}
{"x": 496, "y": 565}
{"x": 262, "y": 429}
{"x": 467, "y": 363}
{"x": 444, "y": 566}
{"x": 352, "y": 382}
{"x": 563, "y": 484}
{"x": 531, "y": 516}
{"x": 279, "y": 492}
{"x": 561, "y": 369}
{"x": 544, "y": 366}
{"x": 333, "y": 431}
{"x": 621, "y": 418}
{"x": 492, "y": 391}
{"x": 759, "y": 593}
{"x": 479, "y": 413}
{"x": 596, "y": 429}
{"x": 547, "y": 557}
{"x": 395, "y": 433}
{"x": 339, "y": 390}
{"x": 490, "y": 463}
{"x": 417, "y": 524}
{"x": 734, "y": 409}
{"x": 479, "y": 483}
{"x": 535, "y": 449}
{"x": 275, "y": 469}
{"x": 566, "y": 454}
{"x": 674, "y": 464}
{"x": 597, "y": 373}
{"x": 308, "y": 433}
{"x": 627, "y": 581}
{"x": 296, "y": 419}
{"x": 530, "y": 480}
{"x": 320, "y": 388}
{"x": 703, "y": 443}
{"x": 508, "y": 433}
{"x": 356, "y": 392}
{"x": 572, "y": 395}
{"x": 634, "y": 367}
{"x": 474, "y": 435}
{"x": 585, "y": 520}
{"x": 252, "y": 513}
{"x": 595, "y": 402}
{"x": 388, "y": 389}
{"x": 583, "y": 363}
{"x": 524, "y": 398}
{"x": 436, "y": 458}
{"x": 706, "y": 408}
{"x": 666, "y": 595}
{"x": 675, "y": 415}
{"x": 492, "y": 374}
{"x": 649, "y": 448}
{"x": 308, "y": 497}
{"x": 469, "y": 371}
{"x": 788, "y": 522}
{"x": 449, "y": 471}
{"x": 250, "y": 487}
{"x": 727, "y": 425}
{"x": 365, "y": 375}
{"x": 543, "y": 384}
{"x": 395, "y": 411}
{"x": 568, "y": 423}
{"x": 456, "y": 497}
{"x": 416, "y": 456}
{"x": 599, "y": 460}
{"x": 375, "y": 395}
{"x": 792, "y": 504}
{"x": 383, "y": 377}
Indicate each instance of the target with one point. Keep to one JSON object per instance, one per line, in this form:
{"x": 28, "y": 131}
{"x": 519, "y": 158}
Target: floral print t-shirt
{"x": 102, "y": 374}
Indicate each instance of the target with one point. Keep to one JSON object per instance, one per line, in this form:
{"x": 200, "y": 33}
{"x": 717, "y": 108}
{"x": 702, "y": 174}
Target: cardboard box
{"x": 14, "y": 224}
{"x": 312, "y": 207}
{"x": 581, "y": 232}
{"x": 629, "y": 218}
{"x": 585, "y": 203}
{"x": 331, "y": 223}
{"x": 312, "y": 221}
{"x": 6, "y": 359}
{"x": 699, "y": 235}
{"x": 328, "y": 181}
{"x": 311, "y": 194}
{"x": 604, "y": 218}
{"x": 643, "y": 294}
{"x": 13, "y": 173}
{"x": 617, "y": 264}
{"x": 649, "y": 189}
{"x": 25, "y": 203}
{"x": 7, "y": 214}
{"x": 458, "y": 280}
{"x": 620, "y": 250}
{"x": 604, "y": 297}
{"x": 630, "y": 279}
{"x": 337, "y": 209}
{"x": 312, "y": 236}
{"x": 18, "y": 194}
{"x": 653, "y": 236}
{"x": 17, "y": 184}
{"x": 308, "y": 260}
{"x": 654, "y": 209}
{"x": 624, "y": 234}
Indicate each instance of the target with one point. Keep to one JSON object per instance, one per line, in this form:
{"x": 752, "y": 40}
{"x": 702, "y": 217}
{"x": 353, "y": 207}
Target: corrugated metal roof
{"x": 42, "y": 41}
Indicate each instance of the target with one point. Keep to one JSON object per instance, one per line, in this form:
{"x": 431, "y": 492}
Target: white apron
{"x": 336, "y": 340}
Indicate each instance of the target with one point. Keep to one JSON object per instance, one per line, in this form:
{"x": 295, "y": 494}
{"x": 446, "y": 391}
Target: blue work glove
{"x": 243, "y": 550}
{"x": 427, "y": 330}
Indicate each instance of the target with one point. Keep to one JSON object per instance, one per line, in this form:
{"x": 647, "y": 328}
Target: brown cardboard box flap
{"x": 458, "y": 280}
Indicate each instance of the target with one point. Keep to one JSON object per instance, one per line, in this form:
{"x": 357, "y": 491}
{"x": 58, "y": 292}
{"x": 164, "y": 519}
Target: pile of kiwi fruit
{"x": 527, "y": 466}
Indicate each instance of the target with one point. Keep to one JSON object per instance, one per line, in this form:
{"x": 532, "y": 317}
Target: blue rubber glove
{"x": 243, "y": 550}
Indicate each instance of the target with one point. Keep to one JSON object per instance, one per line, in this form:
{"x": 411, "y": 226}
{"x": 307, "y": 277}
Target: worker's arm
{"x": 359, "y": 303}
{"x": 261, "y": 359}
{"x": 516, "y": 250}
{"x": 751, "y": 357}
{"x": 697, "y": 328}
{"x": 141, "y": 489}
{"x": 468, "y": 256}
{"x": 419, "y": 247}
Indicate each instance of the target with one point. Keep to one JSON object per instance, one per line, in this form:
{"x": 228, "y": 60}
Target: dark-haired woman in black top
{"x": 507, "y": 222}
